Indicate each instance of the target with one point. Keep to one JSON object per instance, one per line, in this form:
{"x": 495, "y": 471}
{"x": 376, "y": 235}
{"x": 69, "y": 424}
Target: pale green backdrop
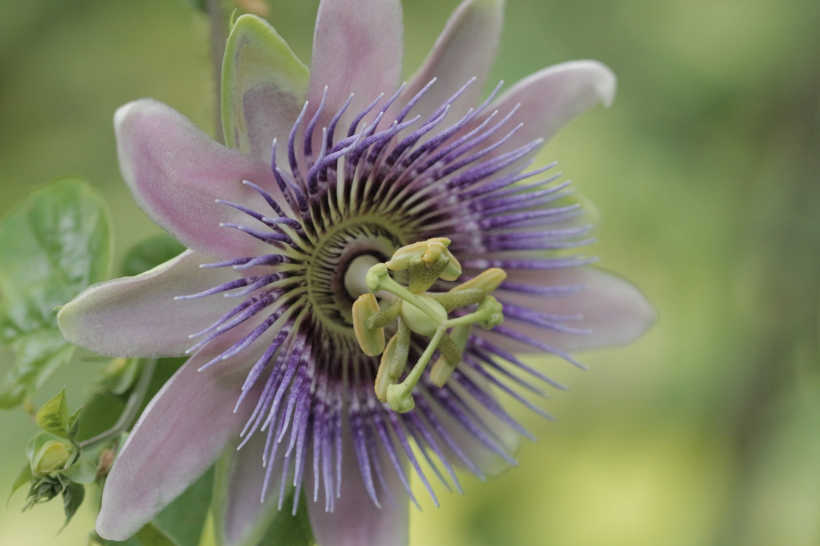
{"x": 707, "y": 174}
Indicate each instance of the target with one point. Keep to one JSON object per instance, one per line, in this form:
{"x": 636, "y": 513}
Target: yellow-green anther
{"x": 449, "y": 350}
{"x": 399, "y": 396}
{"x": 462, "y": 298}
{"x": 418, "y": 320}
{"x": 422, "y": 277}
{"x": 486, "y": 281}
{"x": 385, "y": 317}
{"x": 444, "y": 366}
{"x": 371, "y": 340}
{"x": 383, "y": 379}
{"x": 401, "y": 258}
{"x": 394, "y": 360}
{"x": 453, "y": 269}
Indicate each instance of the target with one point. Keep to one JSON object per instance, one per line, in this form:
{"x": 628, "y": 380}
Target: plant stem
{"x": 129, "y": 414}
{"x": 217, "y": 53}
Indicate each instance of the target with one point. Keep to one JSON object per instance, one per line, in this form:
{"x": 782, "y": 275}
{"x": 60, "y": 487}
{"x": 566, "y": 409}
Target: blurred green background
{"x": 707, "y": 174}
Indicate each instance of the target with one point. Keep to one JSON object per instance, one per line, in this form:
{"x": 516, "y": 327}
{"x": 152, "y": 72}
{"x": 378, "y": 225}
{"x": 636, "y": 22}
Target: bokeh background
{"x": 707, "y": 174}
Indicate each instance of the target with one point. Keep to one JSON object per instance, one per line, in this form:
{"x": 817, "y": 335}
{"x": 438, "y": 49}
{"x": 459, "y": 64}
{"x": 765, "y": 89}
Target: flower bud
{"x": 54, "y": 455}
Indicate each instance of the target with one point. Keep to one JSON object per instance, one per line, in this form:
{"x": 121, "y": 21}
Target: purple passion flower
{"x": 322, "y": 171}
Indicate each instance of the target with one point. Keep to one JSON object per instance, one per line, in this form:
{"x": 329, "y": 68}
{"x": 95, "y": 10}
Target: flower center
{"x": 335, "y": 269}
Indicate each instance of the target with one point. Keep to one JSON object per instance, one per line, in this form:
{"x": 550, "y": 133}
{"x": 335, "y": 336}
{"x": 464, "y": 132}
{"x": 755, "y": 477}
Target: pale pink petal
{"x": 615, "y": 311}
{"x": 465, "y": 49}
{"x": 355, "y": 520}
{"x": 550, "y": 99}
{"x": 138, "y": 316}
{"x": 357, "y": 48}
{"x": 176, "y": 172}
{"x": 263, "y": 88}
{"x": 178, "y": 437}
{"x": 243, "y": 519}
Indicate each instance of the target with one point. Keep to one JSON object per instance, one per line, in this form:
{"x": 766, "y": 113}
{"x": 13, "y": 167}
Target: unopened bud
{"x": 51, "y": 457}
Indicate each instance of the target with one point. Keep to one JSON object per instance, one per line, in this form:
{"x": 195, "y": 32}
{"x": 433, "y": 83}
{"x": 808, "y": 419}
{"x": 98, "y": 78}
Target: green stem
{"x": 131, "y": 411}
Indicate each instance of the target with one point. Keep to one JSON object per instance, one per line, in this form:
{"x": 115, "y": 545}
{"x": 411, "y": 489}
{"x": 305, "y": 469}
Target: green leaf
{"x": 150, "y": 253}
{"x": 53, "y": 416}
{"x": 82, "y": 471}
{"x": 74, "y": 423}
{"x": 259, "y": 65}
{"x": 23, "y": 478}
{"x": 73, "y": 496}
{"x": 52, "y": 246}
{"x": 184, "y": 519}
{"x": 151, "y": 535}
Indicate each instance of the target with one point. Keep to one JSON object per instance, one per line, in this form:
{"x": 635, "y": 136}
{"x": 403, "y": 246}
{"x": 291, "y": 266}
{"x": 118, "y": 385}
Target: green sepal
{"x": 74, "y": 424}
{"x": 23, "y": 478}
{"x": 53, "y": 416}
{"x": 52, "y": 246}
{"x": 257, "y": 60}
{"x": 73, "y": 496}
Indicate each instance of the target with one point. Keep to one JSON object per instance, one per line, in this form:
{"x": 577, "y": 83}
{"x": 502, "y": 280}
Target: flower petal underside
{"x": 176, "y": 173}
{"x": 263, "y": 88}
{"x": 138, "y": 316}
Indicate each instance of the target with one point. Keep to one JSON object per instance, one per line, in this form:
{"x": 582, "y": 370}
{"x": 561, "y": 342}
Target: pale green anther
{"x": 487, "y": 281}
{"x": 399, "y": 360}
{"x": 462, "y": 298}
{"x": 446, "y": 364}
{"x": 394, "y": 360}
{"x": 371, "y": 340}
{"x": 383, "y": 318}
{"x": 422, "y": 275}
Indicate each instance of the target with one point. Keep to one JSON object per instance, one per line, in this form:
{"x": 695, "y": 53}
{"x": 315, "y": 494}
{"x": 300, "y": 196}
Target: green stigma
{"x": 424, "y": 313}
